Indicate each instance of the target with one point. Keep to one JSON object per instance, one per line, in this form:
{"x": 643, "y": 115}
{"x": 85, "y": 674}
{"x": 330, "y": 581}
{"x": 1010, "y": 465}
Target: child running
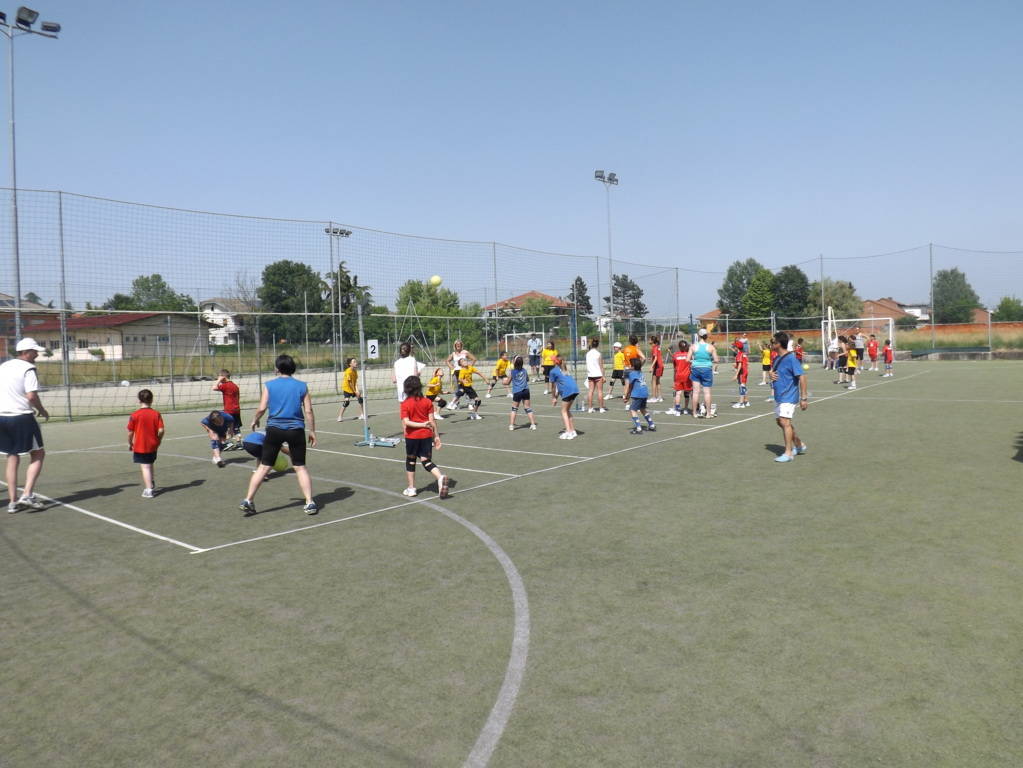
{"x": 518, "y": 379}
{"x": 465, "y": 374}
{"x": 232, "y": 404}
{"x": 683, "y": 384}
{"x": 549, "y": 355}
{"x": 617, "y": 368}
{"x": 145, "y": 432}
{"x": 350, "y": 389}
{"x": 500, "y": 370}
{"x": 889, "y": 357}
{"x": 742, "y": 377}
{"x": 420, "y": 436}
{"x": 637, "y": 390}
{"x": 217, "y": 425}
{"x": 564, "y": 386}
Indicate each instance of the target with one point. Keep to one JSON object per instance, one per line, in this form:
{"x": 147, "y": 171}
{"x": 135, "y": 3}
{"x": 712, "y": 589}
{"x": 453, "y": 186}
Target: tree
{"x": 342, "y": 289}
{"x": 292, "y": 287}
{"x": 737, "y": 281}
{"x": 954, "y": 299}
{"x": 791, "y": 295}
{"x": 535, "y": 307}
{"x": 151, "y": 293}
{"x": 628, "y": 298}
{"x": 427, "y": 299}
{"x": 1009, "y": 309}
{"x": 840, "y": 295}
{"x": 758, "y": 301}
{"x": 907, "y": 322}
{"x": 579, "y": 295}
{"x": 33, "y": 297}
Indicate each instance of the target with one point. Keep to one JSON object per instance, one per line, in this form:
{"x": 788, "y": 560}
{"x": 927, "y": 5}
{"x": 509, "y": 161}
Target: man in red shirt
{"x": 872, "y": 351}
{"x": 232, "y": 404}
{"x": 683, "y": 381}
{"x": 741, "y": 376}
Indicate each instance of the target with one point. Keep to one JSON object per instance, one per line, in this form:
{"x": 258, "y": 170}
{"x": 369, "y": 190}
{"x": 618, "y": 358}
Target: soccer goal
{"x": 881, "y": 328}
{"x": 516, "y": 343}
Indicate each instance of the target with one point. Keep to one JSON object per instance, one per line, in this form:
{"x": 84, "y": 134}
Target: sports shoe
{"x": 440, "y": 416}
{"x": 409, "y": 492}
{"x": 247, "y": 507}
{"x": 747, "y": 404}
{"x": 713, "y": 409}
{"x": 738, "y": 405}
{"x": 652, "y": 428}
{"x": 443, "y": 492}
{"x": 636, "y": 431}
{"x": 219, "y": 463}
{"x": 801, "y": 449}
{"x": 687, "y": 412}
{"x": 511, "y": 427}
{"x": 546, "y": 392}
{"x": 592, "y": 410}
{"x": 532, "y": 427}
{"x": 509, "y": 394}
{"x": 31, "y": 502}
{"x": 602, "y": 410}
{"x": 340, "y": 419}
{"x": 784, "y": 458}
{"x": 311, "y": 508}
{"x": 229, "y": 446}
{"x": 147, "y": 493}
{"x": 672, "y": 412}
{"x": 362, "y": 416}
{"x": 488, "y": 395}
{"x": 452, "y": 407}
{"x": 571, "y": 435}
{"x": 12, "y": 508}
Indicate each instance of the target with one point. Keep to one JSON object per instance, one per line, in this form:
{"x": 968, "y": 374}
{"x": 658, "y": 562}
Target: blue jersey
{"x": 701, "y": 356}
{"x": 519, "y": 380}
{"x": 254, "y": 438}
{"x": 566, "y": 384}
{"x": 639, "y": 388}
{"x": 223, "y": 428}
{"x": 285, "y": 403}
{"x": 786, "y": 388}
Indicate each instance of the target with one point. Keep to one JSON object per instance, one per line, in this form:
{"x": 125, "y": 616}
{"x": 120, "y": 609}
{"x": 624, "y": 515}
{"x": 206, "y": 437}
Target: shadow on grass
{"x": 322, "y": 500}
{"x": 217, "y": 678}
{"x": 162, "y": 489}
{"x": 1019, "y": 448}
{"x": 92, "y": 493}
{"x": 774, "y": 448}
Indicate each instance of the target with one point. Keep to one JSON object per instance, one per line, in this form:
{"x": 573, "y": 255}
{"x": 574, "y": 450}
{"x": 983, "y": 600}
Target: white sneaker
{"x": 592, "y": 410}
{"x": 602, "y": 410}
{"x": 409, "y": 492}
{"x": 738, "y": 405}
{"x": 511, "y": 427}
{"x": 713, "y": 408}
{"x": 571, "y": 435}
{"x": 563, "y": 436}
{"x": 363, "y": 417}
{"x": 672, "y": 412}
{"x": 509, "y": 394}
{"x": 31, "y": 502}
{"x": 532, "y": 427}
{"x": 147, "y": 493}
{"x": 488, "y": 395}
{"x": 452, "y": 407}
{"x": 439, "y": 416}
{"x": 546, "y": 392}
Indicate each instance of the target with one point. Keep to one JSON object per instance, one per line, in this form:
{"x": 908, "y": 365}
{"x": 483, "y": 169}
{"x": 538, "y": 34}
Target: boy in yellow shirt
{"x": 617, "y": 368}
{"x": 465, "y": 374}
{"x": 500, "y": 371}
{"x": 350, "y": 389}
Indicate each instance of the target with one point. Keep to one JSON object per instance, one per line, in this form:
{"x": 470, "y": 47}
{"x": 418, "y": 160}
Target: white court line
{"x": 474, "y": 447}
{"x": 945, "y": 400}
{"x": 384, "y": 458}
{"x": 143, "y": 531}
{"x": 123, "y": 444}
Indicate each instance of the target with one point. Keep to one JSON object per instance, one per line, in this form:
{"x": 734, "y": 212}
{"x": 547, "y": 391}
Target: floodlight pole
{"x": 337, "y": 233}
{"x": 22, "y": 26}
{"x": 608, "y": 180}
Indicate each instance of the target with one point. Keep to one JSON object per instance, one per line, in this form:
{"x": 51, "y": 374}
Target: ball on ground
{"x": 281, "y": 465}
{"x": 435, "y": 280}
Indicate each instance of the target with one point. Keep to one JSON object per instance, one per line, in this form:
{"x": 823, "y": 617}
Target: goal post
{"x": 832, "y": 327}
{"x": 515, "y": 343}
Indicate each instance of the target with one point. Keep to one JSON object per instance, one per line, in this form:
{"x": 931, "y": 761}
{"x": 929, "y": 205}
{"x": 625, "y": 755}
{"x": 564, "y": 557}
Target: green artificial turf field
{"x": 673, "y": 598}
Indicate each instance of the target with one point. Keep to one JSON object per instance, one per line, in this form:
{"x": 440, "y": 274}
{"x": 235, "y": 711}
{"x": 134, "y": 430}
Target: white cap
{"x": 617, "y": 344}
{"x": 702, "y": 332}
{"x": 26, "y": 344}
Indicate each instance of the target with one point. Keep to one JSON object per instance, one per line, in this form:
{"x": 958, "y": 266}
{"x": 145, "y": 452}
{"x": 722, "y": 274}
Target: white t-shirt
{"x": 17, "y": 379}
{"x": 403, "y": 368}
{"x": 534, "y": 345}
{"x": 594, "y": 366}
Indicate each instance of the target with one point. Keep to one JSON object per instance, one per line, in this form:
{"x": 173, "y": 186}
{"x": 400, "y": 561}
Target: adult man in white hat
{"x": 19, "y": 430}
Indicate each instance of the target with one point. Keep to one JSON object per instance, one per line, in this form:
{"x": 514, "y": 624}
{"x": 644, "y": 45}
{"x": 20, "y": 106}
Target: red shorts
{"x": 684, "y": 385}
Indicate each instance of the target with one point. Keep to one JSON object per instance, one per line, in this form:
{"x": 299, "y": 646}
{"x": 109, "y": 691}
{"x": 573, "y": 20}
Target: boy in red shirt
{"x": 683, "y": 385}
{"x": 889, "y": 357}
{"x": 420, "y": 436}
{"x": 799, "y": 351}
{"x": 232, "y": 405}
{"x": 145, "y": 432}
{"x": 741, "y": 376}
{"x": 872, "y": 351}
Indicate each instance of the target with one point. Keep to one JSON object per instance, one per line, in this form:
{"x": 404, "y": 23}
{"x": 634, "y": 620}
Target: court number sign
{"x": 373, "y": 349}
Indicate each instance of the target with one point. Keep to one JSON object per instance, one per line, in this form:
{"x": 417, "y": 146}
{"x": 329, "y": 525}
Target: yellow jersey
{"x": 350, "y": 381}
{"x": 851, "y": 358}
{"x": 765, "y": 357}
{"x": 433, "y": 387}
{"x": 619, "y": 361}
{"x": 548, "y": 356}
{"x": 501, "y": 368}
{"x": 465, "y": 375}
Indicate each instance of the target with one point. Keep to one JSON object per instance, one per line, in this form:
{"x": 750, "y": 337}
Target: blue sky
{"x": 773, "y": 130}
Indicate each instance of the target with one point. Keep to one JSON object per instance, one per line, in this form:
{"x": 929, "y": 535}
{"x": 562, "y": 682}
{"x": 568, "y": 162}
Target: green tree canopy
{"x": 427, "y": 299}
{"x": 840, "y": 295}
{"x": 535, "y": 307}
{"x": 954, "y": 299}
{"x": 579, "y": 295}
{"x": 628, "y": 298}
{"x": 791, "y": 295}
{"x": 292, "y": 287}
{"x": 737, "y": 281}
{"x": 1009, "y": 309}
{"x": 758, "y": 301}
{"x": 151, "y": 293}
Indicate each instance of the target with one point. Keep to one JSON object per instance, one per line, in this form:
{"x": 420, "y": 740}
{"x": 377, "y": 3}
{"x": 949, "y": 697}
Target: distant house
{"x": 226, "y": 319}
{"x": 513, "y": 305}
{"x": 889, "y": 307}
{"x": 710, "y": 320}
{"x": 122, "y": 336}
{"x": 31, "y": 315}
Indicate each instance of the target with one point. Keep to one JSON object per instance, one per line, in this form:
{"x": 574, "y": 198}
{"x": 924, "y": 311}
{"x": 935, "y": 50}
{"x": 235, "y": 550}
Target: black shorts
{"x": 143, "y": 458}
{"x": 420, "y": 447}
{"x": 237, "y": 416}
{"x": 618, "y": 375}
{"x": 20, "y": 434}
{"x": 595, "y": 379}
{"x": 467, "y": 392}
{"x": 275, "y": 438}
{"x": 254, "y": 450}
{"x": 842, "y": 360}
{"x": 518, "y": 397}
{"x": 547, "y": 372}
{"x": 570, "y": 398}
{"x": 765, "y": 367}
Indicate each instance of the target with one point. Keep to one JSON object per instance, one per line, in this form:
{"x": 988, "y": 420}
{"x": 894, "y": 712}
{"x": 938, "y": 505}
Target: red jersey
{"x": 145, "y": 424}
{"x": 872, "y": 349}
{"x": 888, "y": 354}
{"x": 774, "y": 356}
{"x": 682, "y": 370}
{"x": 799, "y": 352}
{"x": 230, "y": 392}
{"x": 658, "y": 360}
{"x": 417, "y": 409}
{"x": 742, "y": 365}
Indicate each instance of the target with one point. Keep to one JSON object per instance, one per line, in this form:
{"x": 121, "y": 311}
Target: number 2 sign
{"x": 373, "y": 349}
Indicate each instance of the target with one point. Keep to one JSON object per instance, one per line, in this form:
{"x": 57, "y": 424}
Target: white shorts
{"x": 785, "y": 410}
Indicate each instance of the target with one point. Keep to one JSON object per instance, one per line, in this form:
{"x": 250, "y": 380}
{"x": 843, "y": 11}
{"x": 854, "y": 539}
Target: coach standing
{"x": 19, "y": 430}
{"x": 789, "y": 386}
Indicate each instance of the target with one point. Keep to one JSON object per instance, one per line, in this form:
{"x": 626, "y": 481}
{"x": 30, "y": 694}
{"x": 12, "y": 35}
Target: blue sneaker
{"x": 783, "y": 458}
{"x": 801, "y": 449}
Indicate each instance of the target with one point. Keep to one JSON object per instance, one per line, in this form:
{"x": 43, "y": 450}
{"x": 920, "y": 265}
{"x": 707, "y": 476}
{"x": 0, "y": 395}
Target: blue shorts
{"x": 534, "y": 360}
{"x": 20, "y": 434}
{"x": 703, "y": 376}
{"x": 638, "y": 404}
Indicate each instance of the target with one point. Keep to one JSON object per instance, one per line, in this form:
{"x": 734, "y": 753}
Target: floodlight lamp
{"x": 612, "y": 178}
{"x": 598, "y": 175}
{"x": 51, "y": 26}
{"x": 26, "y": 17}
{"x": 3, "y": 18}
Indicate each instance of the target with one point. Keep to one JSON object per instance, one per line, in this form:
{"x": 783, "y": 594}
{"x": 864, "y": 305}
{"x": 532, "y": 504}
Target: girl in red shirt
{"x": 657, "y": 370}
{"x": 420, "y": 436}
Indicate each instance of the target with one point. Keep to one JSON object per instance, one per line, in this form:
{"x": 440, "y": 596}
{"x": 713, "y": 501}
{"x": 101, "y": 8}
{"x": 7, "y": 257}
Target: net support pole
{"x": 368, "y": 438}
{"x": 259, "y": 358}
{"x": 930, "y": 261}
{"x": 170, "y": 358}
{"x": 65, "y": 358}
{"x": 333, "y": 305}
